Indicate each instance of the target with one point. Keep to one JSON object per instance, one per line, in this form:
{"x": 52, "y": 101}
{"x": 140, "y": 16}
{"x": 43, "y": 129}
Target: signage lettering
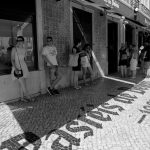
{"x": 90, "y": 122}
{"x": 107, "y": 106}
{"x": 79, "y": 129}
{"x": 56, "y": 145}
{"x": 125, "y": 98}
{"x": 98, "y": 115}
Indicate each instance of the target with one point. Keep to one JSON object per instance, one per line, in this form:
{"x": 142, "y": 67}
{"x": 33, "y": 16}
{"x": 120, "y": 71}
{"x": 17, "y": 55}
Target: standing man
{"x": 49, "y": 54}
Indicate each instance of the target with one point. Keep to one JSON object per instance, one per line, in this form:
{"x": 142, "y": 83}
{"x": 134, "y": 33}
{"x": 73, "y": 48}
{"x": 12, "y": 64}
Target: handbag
{"x": 73, "y": 60}
{"x": 19, "y": 73}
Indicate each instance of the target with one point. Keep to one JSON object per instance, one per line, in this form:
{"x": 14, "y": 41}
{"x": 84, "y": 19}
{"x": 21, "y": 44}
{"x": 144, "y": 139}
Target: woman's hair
{"x": 86, "y": 45}
{"x": 49, "y": 38}
{"x": 20, "y": 37}
{"x": 77, "y": 41}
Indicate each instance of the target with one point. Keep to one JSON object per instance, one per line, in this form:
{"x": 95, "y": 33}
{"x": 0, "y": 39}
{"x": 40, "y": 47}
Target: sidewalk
{"x": 107, "y": 115}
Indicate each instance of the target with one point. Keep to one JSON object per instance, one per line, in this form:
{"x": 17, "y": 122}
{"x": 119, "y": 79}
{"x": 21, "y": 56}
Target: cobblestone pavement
{"x": 107, "y": 115}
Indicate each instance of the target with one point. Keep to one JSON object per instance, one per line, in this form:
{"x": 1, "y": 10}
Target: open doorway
{"x": 82, "y": 25}
{"x": 112, "y": 47}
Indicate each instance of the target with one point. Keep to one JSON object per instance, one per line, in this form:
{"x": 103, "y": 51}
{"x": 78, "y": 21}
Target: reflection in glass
{"x": 9, "y": 30}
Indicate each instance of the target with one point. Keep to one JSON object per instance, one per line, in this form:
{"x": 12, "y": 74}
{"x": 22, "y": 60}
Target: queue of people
{"x": 130, "y": 58}
{"x": 80, "y": 61}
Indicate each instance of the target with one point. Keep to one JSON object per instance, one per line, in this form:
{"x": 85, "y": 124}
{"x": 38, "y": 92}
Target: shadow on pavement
{"x": 49, "y": 113}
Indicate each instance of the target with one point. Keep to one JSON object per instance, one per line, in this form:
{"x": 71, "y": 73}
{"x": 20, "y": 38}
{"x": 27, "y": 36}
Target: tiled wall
{"x": 56, "y": 22}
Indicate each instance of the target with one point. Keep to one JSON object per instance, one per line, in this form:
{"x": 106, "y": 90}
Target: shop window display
{"x": 9, "y": 30}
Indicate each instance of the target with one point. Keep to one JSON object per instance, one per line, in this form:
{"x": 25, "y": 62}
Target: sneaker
{"x": 56, "y": 91}
{"x": 50, "y": 91}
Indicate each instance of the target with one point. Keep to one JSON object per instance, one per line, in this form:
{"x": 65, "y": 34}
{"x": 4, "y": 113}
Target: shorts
{"x": 123, "y": 62}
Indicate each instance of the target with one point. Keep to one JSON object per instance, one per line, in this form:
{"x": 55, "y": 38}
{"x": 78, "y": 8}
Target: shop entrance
{"x": 112, "y": 47}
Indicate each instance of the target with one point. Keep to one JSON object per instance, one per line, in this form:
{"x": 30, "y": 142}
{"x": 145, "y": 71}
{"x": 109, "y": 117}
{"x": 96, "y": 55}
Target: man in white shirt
{"x": 49, "y": 54}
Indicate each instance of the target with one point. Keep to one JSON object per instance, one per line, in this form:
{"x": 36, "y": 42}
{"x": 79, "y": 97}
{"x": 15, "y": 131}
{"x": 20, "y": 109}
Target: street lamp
{"x": 135, "y": 4}
{"x": 136, "y": 10}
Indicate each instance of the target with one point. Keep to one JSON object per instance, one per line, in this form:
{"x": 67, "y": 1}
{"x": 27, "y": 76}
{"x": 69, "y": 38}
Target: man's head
{"x": 49, "y": 40}
{"x": 20, "y": 40}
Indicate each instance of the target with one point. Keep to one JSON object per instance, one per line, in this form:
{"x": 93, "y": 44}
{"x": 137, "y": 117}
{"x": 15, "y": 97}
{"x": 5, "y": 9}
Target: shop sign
{"x": 112, "y": 3}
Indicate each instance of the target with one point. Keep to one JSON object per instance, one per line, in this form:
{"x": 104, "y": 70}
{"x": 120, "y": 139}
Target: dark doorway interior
{"x": 82, "y": 25}
{"x": 16, "y": 9}
{"x": 112, "y": 47}
{"x": 129, "y": 35}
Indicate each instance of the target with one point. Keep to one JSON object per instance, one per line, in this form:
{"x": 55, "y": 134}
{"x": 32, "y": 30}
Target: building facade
{"x": 104, "y": 24}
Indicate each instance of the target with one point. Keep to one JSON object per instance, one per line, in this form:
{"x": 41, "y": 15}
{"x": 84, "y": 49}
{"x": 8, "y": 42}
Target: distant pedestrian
{"x": 134, "y": 62}
{"x": 147, "y": 58}
{"x": 49, "y": 54}
{"x": 123, "y": 60}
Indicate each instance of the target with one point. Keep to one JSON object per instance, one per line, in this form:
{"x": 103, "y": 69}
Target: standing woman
{"x": 19, "y": 67}
{"x": 76, "y": 69}
{"x": 85, "y": 63}
{"x": 123, "y": 60}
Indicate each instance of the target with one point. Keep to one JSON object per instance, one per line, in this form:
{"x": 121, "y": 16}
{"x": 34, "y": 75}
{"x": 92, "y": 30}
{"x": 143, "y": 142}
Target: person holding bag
{"x": 76, "y": 65}
{"x": 19, "y": 68}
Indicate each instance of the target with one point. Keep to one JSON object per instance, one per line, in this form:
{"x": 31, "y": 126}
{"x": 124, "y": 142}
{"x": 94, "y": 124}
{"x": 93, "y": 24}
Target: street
{"x": 107, "y": 115}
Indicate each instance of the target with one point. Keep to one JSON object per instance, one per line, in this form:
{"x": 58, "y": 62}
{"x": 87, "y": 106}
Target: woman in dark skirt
{"x": 123, "y": 60}
{"x": 76, "y": 69}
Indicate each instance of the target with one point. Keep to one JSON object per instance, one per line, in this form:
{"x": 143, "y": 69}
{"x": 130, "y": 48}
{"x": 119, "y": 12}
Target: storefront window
{"x": 9, "y": 30}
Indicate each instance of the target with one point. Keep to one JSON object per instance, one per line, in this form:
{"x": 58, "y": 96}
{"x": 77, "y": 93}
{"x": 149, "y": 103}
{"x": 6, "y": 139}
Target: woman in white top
{"x": 18, "y": 64}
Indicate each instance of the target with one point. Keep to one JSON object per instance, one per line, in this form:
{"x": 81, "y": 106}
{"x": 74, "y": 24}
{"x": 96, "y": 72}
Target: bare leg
{"x": 22, "y": 82}
{"x": 91, "y": 73}
{"x": 56, "y": 76}
{"x": 121, "y": 69}
{"x": 84, "y": 69}
{"x": 72, "y": 78}
{"x": 125, "y": 71}
{"x": 134, "y": 73}
{"x": 76, "y": 84}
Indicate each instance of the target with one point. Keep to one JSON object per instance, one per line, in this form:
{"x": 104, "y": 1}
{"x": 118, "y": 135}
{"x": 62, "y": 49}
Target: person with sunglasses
{"x": 49, "y": 54}
{"x": 19, "y": 68}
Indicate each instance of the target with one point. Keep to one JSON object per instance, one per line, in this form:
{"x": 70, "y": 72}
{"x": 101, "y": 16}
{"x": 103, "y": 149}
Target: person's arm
{"x": 45, "y": 56}
{"x": 13, "y": 59}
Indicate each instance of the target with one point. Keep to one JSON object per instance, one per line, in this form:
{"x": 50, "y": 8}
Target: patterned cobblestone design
{"x": 107, "y": 115}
